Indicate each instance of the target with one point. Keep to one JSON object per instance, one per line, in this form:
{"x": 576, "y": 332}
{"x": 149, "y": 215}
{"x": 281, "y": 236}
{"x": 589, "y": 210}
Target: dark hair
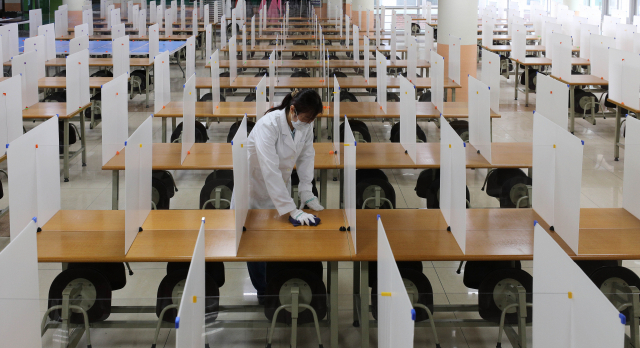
{"x": 305, "y": 101}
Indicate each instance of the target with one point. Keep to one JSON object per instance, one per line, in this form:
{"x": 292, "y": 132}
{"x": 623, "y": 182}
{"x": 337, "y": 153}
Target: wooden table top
{"x": 529, "y": 48}
{"x": 293, "y": 37}
{"x": 508, "y": 37}
{"x": 62, "y": 62}
{"x": 47, "y": 110}
{"x": 316, "y": 64}
{"x": 315, "y": 82}
{"x": 313, "y": 48}
{"x": 531, "y": 61}
{"x": 624, "y": 106}
{"x": 352, "y": 110}
{"x": 131, "y": 37}
{"x": 61, "y": 82}
{"x": 207, "y": 156}
{"x": 582, "y": 80}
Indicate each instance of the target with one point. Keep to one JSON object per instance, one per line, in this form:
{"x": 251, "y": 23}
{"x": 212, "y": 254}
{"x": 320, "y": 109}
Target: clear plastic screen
{"x": 551, "y": 101}
{"x": 10, "y": 111}
{"x": 549, "y": 29}
{"x": 366, "y": 55}
{"x": 81, "y": 30}
{"x": 37, "y": 45}
{"x": 261, "y": 98}
{"x": 586, "y": 318}
{"x": 20, "y": 324}
{"x": 518, "y": 42}
{"x": 78, "y": 44}
{"x": 586, "y": 30}
{"x": 215, "y": 79}
{"x": 624, "y": 78}
{"x": 78, "y": 94}
{"x": 47, "y": 159}
{"x": 394, "y": 38}
{"x": 631, "y": 187}
{"x": 544, "y": 163}
{"x": 189, "y": 116}
{"x": 240, "y": 178}
{"x": 350, "y": 181}
{"x": 490, "y": 76}
{"x": 190, "y": 320}
{"x": 272, "y": 77}
{"x": 480, "y": 117}
{"x": 599, "y": 56}
{"x": 408, "y": 117}
{"x": 454, "y": 58}
{"x": 154, "y": 42}
{"x": 568, "y": 176}
{"x": 356, "y": 44}
{"x": 561, "y": 56}
{"x": 233, "y": 58}
{"x": 162, "y": 86}
{"x": 487, "y": 31}
{"x": 191, "y": 56}
{"x": 253, "y": 32}
{"x": 336, "y": 117}
{"x": 115, "y": 110}
{"x": 121, "y": 56}
{"x": 49, "y": 33}
{"x": 10, "y": 41}
{"x": 412, "y": 58}
{"x": 437, "y": 80}
{"x": 395, "y": 322}
{"x": 137, "y": 181}
{"x": 24, "y": 65}
{"x": 381, "y": 78}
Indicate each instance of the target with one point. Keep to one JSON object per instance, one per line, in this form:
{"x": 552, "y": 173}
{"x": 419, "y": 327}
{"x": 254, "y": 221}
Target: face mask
{"x": 299, "y": 125}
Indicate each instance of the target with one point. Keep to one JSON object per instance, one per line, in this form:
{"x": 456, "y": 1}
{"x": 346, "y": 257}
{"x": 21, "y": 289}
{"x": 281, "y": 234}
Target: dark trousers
{"x": 258, "y": 276}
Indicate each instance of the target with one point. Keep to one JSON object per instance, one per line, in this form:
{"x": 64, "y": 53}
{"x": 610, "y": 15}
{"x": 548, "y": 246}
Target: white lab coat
{"x": 272, "y": 155}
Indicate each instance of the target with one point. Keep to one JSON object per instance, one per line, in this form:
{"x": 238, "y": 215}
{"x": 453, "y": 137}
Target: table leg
{"x": 341, "y": 189}
{"x": 364, "y": 304}
{"x": 164, "y": 129}
{"x": 453, "y": 94}
{"x": 616, "y": 148}
{"x": 572, "y": 113}
{"x": 515, "y": 88}
{"x": 323, "y": 186}
{"x": 333, "y": 295}
{"x": 83, "y": 139}
{"x": 356, "y": 292}
{"x": 115, "y": 183}
{"x": 146, "y": 72}
{"x": 526, "y": 86}
{"x": 173, "y": 124}
{"x": 65, "y": 153}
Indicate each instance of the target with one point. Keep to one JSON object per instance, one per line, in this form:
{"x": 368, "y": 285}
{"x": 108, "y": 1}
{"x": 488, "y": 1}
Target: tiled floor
{"x": 90, "y": 188}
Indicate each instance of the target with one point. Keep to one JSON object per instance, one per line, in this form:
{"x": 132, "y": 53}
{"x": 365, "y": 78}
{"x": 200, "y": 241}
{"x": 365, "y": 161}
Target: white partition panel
{"x": 336, "y": 118}
{"x": 10, "y": 111}
{"x": 205, "y": 12}
{"x": 191, "y": 56}
{"x": 37, "y": 45}
{"x": 630, "y": 187}
{"x": 636, "y": 42}
{"x": 153, "y": 12}
{"x": 561, "y": 56}
{"x": 115, "y": 112}
{"x": 25, "y": 66}
{"x": 81, "y": 30}
{"x": 381, "y": 78}
{"x": 115, "y": 17}
{"x": 412, "y": 58}
{"x": 10, "y": 45}
{"x": 240, "y": 178}
{"x": 49, "y": 33}
{"x": 233, "y": 58}
{"x": 576, "y": 28}
{"x": 137, "y": 175}
{"x": 253, "y": 32}
{"x": 121, "y": 56}
{"x": 183, "y": 16}
{"x": 624, "y": 78}
{"x": 194, "y": 22}
{"x": 168, "y": 19}
{"x": 454, "y": 59}
{"x": 223, "y": 33}
{"x": 208, "y": 39}
{"x": 599, "y": 56}
{"x": 356, "y": 43}
{"x": 189, "y": 116}
{"x": 35, "y": 20}
{"x": 518, "y": 42}
{"x": 609, "y": 25}
{"x": 347, "y": 31}
{"x": 349, "y": 198}
{"x": 215, "y": 79}
{"x": 453, "y": 194}
{"x": 135, "y": 17}
{"x": 19, "y": 272}
{"x": 425, "y": 52}
{"x": 437, "y": 80}
{"x": 570, "y": 310}
{"x": 78, "y": 93}
{"x": 118, "y": 31}
{"x": 552, "y": 96}
{"x": 624, "y": 36}
{"x": 367, "y": 56}
{"x": 550, "y": 29}
{"x": 408, "y": 117}
{"x": 154, "y": 42}
{"x": 491, "y": 77}
{"x": 395, "y": 311}
{"x": 544, "y": 160}
{"x": 190, "y": 322}
{"x": 272, "y": 78}
{"x": 261, "y": 98}
{"x": 110, "y": 7}
{"x": 407, "y": 27}
{"x": 488, "y": 23}
{"x": 34, "y": 179}
{"x": 244, "y": 44}
{"x": 394, "y": 37}
{"x": 586, "y": 30}
{"x": 480, "y": 117}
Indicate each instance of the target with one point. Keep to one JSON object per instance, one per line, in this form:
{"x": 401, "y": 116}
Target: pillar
{"x": 459, "y": 18}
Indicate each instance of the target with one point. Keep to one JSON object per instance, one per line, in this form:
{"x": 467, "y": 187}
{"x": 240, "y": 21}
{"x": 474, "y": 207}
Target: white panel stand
{"x": 480, "y": 117}
{"x": 215, "y": 79}
{"x": 121, "y": 56}
{"x": 491, "y": 77}
{"x": 233, "y": 58}
{"x": 487, "y": 35}
{"x": 10, "y": 111}
{"x": 244, "y": 44}
{"x": 381, "y": 78}
{"x": 425, "y": 52}
{"x": 411, "y": 44}
{"x": 350, "y": 181}
{"x": 586, "y": 30}
{"x": 24, "y": 65}
{"x": 552, "y": 95}
{"x": 240, "y": 178}
{"x": 78, "y": 93}
{"x": 154, "y": 42}
{"x": 10, "y": 45}
{"x": 561, "y": 56}
{"x": 81, "y": 30}
{"x": 599, "y": 55}
{"x": 366, "y": 56}
{"x": 408, "y": 117}
{"x": 37, "y": 45}
{"x": 394, "y": 37}
{"x": 189, "y": 117}
{"x": 631, "y": 189}
{"x": 49, "y": 33}
{"x": 437, "y": 80}
{"x": 356, "y": 44}
{"x": 624, "y": 78}
{"x": 35, "y": 20}
{"x": 115, "y": 110}
{"x": 191, "y": 56}
{"x": 518, "y": 42}
{"x": 453, "y": 197}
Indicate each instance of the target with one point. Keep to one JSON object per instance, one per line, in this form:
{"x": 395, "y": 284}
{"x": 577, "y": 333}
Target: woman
{"x": 282, "y": 138}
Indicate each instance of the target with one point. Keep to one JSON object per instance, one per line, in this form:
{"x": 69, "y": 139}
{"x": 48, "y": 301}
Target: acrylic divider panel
{"x": 19, "y": 301}
{"x": 188, "y": 116}
{"x": 437, "y": 81}
{"x": 223, "y": 33}
{"x": 624, "y": 36}
{"x": 153, "y": 12}
{"x": 49, "y": 33}
{"x": 586, "y": 30}
{"x": 395, "y": 313}
{"x": 347, "y": 31}
{"x": 214, "y": 60}
{"x": 208, "y": 39}
{"x": 454, "y": 59}
{"x": 366, "y": 55}
{"x": 356, "y": 43}
{"x": 142, "y": 23}
{"x": 37, "y": 45}
{"x": 168, "y": 29}
{"x": 154, "y": 42}
{"x": 487, "y": 31}
{"x": 195, "y": 21}
{"x": 233, "y": 58}
{"x": 425, "y": 52}
{"x": 78, "y": 93}
{"x": 233, "y": 22}
{"x": 490, "y": 76}
{"x": 191, "y": 57}
{"x": 261, "y": 98}
{"x": 599, "y": 55}
{"x": 190, "y": 322}
{"x": 137, "y": 175}
{"x": 630, "y": 187}
{"x": 81, "y": 30}
{"x": 407, "y": 27}
{"x": 253, "y": 32}
{"x": 115, "y": 111}
{"x": 183, "y": 14}
{"x": 350, "y": 181}
{"x": 381, "y": 79}
{"x": 480, "y": 117}
{"x": 552, "y": 96}
{"x": 453, "y": 194}
{"x": 78, "y": 44}
{"x": 570, "y": 311}
{"x": 121, "y": 56}
{"x": 240, "y": 178}
{"x": 336, "y": 118}
{"x": 272, "y": 78}
{"x": 544, "y": 160}
{"x": 162, "y": 85}
{"x": 24, "y": 65}
{"x": 412, "y": 57}
{"x": 135, "y": 16}
{"x": 34, "y": 180}
{"x": 636, "y": 42}
{"x": 561, "y": 56}
{"x": 576, "y": 27}
{"x": 10, "y": 41}
{"x": 518, "y": 43}
{"x": 624, "y": 78}
{"x": 205, "y": 12}
{"x": 61, "y": 25}
{"x": 118, "y": 31}
{"x": 550, "y": 29}
{"x": 244, "y": 45}
{"x": 10, "y": 111}
{"x": 408, "y": 117}
{"x": 115, "y": 17}
{"x": 394, "y": 38}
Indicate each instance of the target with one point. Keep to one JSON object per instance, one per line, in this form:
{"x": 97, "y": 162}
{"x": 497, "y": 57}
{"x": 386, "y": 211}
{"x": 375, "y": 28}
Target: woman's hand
{"x": 307, "y": 198}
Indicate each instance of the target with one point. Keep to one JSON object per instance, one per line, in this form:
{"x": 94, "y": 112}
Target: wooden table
{"x": 131, "y": 37}
{"x": 208, "y": 156}
{"x": 314, "y": 48}
{"x": 538, "y": 61}
{"x": 529, "y": 48}
{"x": 617, "y": 144}
{"x": 316, "y": 65}
{"x": 579, "y": 80}
{"x": 508, "y": 38}
{"x": 44, "y": 111}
